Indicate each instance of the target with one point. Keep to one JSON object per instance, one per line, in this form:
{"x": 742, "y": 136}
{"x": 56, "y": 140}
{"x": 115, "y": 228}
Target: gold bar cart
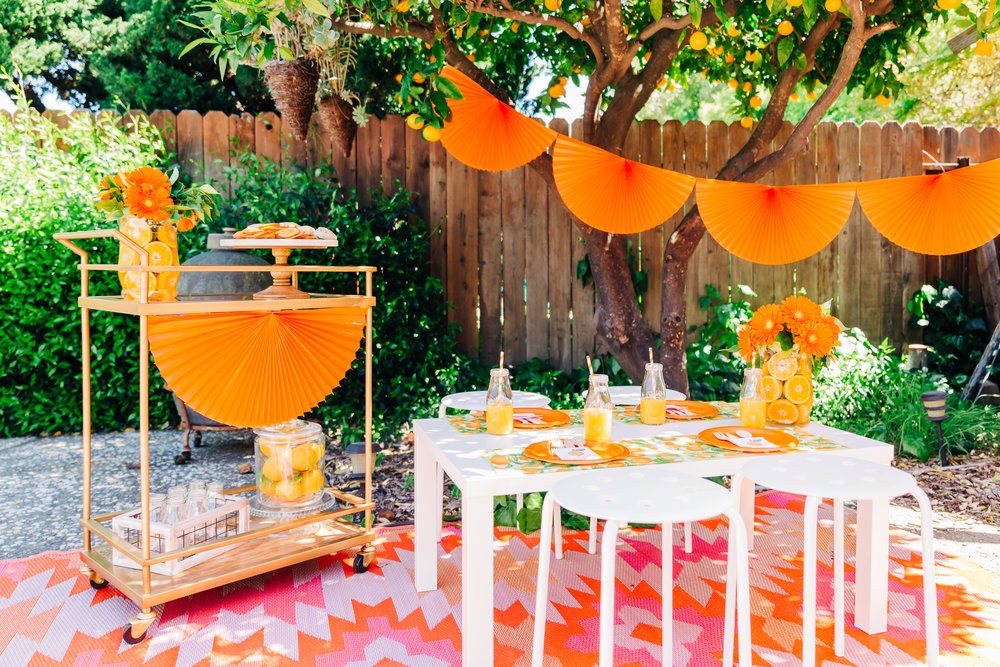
{"x": 332, "y": 530}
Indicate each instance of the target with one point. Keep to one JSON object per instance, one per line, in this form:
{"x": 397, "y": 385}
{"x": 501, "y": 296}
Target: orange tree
{"x": 774, "y": 50}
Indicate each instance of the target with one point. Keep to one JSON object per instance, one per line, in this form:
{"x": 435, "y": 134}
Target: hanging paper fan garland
{"x": 939, "y": 214}
{"x": 258, "y": 368}
{"x": 612, "y": 193}
{"x": 773, "y": 224}
{"x": 487, "y": 134}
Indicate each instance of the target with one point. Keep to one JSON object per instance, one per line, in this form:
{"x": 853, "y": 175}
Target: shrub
{"x": 715, "y": 370}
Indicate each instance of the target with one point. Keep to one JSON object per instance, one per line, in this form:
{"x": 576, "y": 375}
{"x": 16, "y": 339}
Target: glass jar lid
{"x": 289, "y": 432}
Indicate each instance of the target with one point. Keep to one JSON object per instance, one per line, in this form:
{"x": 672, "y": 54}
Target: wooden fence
{"x": 507, "y": 250}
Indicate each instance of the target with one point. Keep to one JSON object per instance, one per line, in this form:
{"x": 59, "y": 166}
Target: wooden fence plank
{"x": 849, "y": 240}
{"x": 740, "y": 270}
{"x": 418, "y": 165}
{"x": 216, "y": 149}
{"x": 267, "y": 136}
{"x": 318, "y": 145}
{"x": 891, "y": 280}
{"x": 651, "y": 240}
{"x": 166, "y": 122}
{"x": 968, "y": 146}
{"x": 717, "y": 258}
{"x": 489, "y": 255}
{"x": 932, "y": 153}
{"x": 344, "y": 161}
{"x": 462, "y": 253}
{"x": 190, "y": 149}
{"x": 583, "y": 295}
{"x": 807, "y": 270}
{"x": 369, "y": 159}
{"x": 536, "y": 271}
{"x": 989, "y": 149}
{"x": 695, "y": 164}
{"x": 514, "y": 239}
{"x": 562, "y": 274}
{"x": 437, "y": 218}
{"x": 870, "y": 251}
{"x": 294, "y": 151}
{"x": 910, "y": 263}
{"x": 393, "y": 153}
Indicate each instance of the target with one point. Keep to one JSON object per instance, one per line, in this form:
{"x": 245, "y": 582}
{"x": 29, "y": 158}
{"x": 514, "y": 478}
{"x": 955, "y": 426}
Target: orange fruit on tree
{"x": 747, "y": 87}
{"x": 732, "y": 31}
{"x": 312, "y": 481}
{"x": 794, "y": 97}
{"x": 137, "y": 229}
{"x": 746, "y": 122}
{"x": 733, "y": 83}
{"x": 730, "y": 57}
{"x": 698, "y": 40}
{"x": 983, "y": 47}
{"x": 882, "y": 100}
{"x": 833, "y": 5}
{"x": 755, "y": 101}
{"x": 798, "y": 389}
{"x": 772, "y": 389}
{"x": 414, "y": 122}
{"x": 782, "y": 365}
{"x": 418, "y": 78}
{"x": 785, "y": 28}
{"x": 782, "y": 412}
{"x": 430, "y": 133}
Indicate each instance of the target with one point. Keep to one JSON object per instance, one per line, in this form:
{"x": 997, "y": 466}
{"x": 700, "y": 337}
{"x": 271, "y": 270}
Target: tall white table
{"x": 438, "y": 444}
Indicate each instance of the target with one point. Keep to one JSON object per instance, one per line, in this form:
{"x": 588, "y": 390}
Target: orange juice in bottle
{"x": 653, "y": 404}
{"x": 753, "y": 406}
{"x": 499, "y": 404}
{"x": 597, "y": 410}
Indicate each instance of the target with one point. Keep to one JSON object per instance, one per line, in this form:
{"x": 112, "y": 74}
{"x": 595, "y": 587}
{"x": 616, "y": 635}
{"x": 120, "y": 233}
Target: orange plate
{"x": 785, "y": 442}
{"x": 608, "y": 451}
{"x": 698, "y": 409}
{"x": 550, "y": 418}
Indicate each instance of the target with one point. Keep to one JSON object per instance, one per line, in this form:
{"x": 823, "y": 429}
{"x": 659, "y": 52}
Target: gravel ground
{"x": 40, "y": 486}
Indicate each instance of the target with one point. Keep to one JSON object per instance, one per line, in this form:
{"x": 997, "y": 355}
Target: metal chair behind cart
{"x": 193, "y": 421}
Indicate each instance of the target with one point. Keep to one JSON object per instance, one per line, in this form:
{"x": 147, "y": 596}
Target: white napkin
{"x": 747, "y": 442}
{"x": 528, "y": 418}
{"x": 678, "y": 411}
{"x": 571, "y": 449}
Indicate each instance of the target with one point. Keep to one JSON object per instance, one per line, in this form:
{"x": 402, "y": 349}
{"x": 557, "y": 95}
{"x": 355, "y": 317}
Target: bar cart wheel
{"x": 360, "y": 566}
{"x": 364, "y": 559}
{"x": 96, "y": 582}
{"x": 138, "y": 623}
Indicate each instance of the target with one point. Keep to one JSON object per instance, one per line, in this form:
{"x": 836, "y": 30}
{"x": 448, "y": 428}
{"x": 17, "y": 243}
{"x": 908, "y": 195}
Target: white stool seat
{"x": 633, "y": 495}
{"x": 621, "y": 495}
{"x": 830, "y": 477}
{"x": 476, "y": 400}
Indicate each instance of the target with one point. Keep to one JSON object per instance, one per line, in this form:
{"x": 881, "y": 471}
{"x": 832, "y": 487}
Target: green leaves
{"x": 785, "y": 48}
{"x": 449, "y": 89}
{"x": 694, "y": 11}
{"x": 656, "y": 9}
{"x": 316, "y": 6}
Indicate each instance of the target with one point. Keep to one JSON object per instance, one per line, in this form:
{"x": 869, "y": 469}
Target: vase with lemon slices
{"x": 150, "y": 207}
{"x": 787, "y": 341}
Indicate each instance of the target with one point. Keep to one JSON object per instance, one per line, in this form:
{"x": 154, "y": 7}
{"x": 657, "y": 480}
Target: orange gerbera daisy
{"x": 831, "y": 323}
{"x": 147, "y": 193}
{"x": 747, "y": 341}
{"x": 110, "y": 183}
{"x": 816, "y": 339}
{"x": 766, "y": 324}
{"x": 798, "y": 312}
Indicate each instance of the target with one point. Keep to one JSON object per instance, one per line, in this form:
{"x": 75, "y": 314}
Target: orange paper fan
{"x": 941, "y": 214}
{"x": 257, "y": 368}
{"x": 613, "y": 194}
{"x": 487, "y": 134}
{"x": 774, "y": 224}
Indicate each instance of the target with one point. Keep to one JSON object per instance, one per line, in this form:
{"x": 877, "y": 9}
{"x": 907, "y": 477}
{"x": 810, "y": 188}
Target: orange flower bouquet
{"x": 787, "y": 341}
{"x": 150, "y": 208}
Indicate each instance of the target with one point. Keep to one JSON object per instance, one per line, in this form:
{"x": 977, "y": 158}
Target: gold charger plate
{"x": 784, "y": 442}
{"x": 548, "y": 417}
{"x": 608, "y": 451}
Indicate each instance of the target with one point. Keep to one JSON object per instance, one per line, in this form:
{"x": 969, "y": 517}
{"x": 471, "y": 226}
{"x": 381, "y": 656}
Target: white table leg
{"x": 477, "y": 580}
{"x": 871, "y": 590}
{"x": 440, "y": 506}
{"x": 426, "y": 516}
{"x": 744, "y": 488}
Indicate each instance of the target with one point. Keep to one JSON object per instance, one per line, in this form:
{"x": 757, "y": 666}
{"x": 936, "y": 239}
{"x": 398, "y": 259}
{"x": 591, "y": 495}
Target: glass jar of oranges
{"x": 290, "y": 460}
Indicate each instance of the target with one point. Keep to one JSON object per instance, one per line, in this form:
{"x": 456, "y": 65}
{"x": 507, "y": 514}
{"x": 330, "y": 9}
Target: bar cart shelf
{"x": 288, "y": 541}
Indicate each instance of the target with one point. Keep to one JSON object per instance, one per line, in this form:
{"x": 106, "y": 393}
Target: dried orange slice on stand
{"x": 782, "y": 411}
{"x": 798, "y": 389}
{"x": 772, "y": 389}
{"x": 782, "y": 365}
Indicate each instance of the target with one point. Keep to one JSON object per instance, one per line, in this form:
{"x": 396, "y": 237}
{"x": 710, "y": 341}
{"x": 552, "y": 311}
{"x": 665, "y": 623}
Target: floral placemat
{"x": 473, "y": 422}
{"x": 644, "y": 451}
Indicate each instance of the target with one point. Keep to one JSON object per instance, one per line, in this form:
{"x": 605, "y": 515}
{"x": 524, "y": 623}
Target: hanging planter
{"x": 336, "y": 117}
{"x": 293, "y": 86}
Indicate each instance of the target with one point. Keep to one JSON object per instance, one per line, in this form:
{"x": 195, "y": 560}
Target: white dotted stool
{"x": 621, "y": 495}
{"x": 816, "y": 477}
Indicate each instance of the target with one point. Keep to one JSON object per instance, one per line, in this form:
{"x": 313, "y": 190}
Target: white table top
{"x": 461, "y": 454}
{"x": 476, "y": 400}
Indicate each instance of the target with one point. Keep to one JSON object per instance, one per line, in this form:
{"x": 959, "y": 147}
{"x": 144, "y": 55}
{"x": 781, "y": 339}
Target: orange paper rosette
{"x": 940, "y": 214}
{"x": 613, "y": 194}
{"x": 774, "y": 224}
{"x": 487, "y": 134}
{"x": 257, "y": 368}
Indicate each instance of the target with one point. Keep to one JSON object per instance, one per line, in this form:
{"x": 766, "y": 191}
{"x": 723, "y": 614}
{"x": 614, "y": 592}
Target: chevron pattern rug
{"x": 322, "y": 613}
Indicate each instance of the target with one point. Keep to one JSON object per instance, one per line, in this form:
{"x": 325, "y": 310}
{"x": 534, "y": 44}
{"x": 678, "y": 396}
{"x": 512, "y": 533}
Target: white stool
{"x": 621, "y": 495}
{"x": 818, "y": 476}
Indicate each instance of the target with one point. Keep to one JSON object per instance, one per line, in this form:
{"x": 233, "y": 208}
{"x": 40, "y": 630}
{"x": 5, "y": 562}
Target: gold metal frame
{"x": 292, "y": 541}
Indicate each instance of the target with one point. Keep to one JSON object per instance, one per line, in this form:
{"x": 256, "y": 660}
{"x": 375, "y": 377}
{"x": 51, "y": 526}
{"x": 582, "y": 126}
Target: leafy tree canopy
{"x": 99, "y": 53}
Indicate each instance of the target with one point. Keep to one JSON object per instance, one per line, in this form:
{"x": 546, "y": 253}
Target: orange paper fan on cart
{"x": 939, "y": 214}
{"x": 774, "y": 224}
{"x": 614, "y": 194}
{"x": 257, "y": 368}
{"x": 488, "y": 134}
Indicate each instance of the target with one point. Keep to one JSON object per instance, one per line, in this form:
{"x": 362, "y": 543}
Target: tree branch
{"x": 412, "y": 28}
{"x": 531, "y": 18}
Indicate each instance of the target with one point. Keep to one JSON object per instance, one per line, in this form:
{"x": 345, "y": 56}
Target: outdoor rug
{"x": 323, "y": 613}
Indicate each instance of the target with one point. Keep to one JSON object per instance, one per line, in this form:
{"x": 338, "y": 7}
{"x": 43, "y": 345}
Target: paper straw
{"x": 650, "y": 355}
{"x": 590, "y": 367}
{"x": 501, "y": 358}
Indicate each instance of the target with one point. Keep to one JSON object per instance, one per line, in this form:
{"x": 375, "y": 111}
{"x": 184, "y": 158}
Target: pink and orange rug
{"x": 322, "y": 613}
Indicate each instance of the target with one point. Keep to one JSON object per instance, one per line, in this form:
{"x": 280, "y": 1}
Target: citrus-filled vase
{"x": 160, "y": 241}
{"x": 788, "y": 386}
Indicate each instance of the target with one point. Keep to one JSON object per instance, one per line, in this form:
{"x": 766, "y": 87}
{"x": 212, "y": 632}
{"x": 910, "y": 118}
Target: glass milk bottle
{"x": 753, "y": 407}
{"x": 597, "y": 410}
{"x": 499, "y": 404}
{"x": 653, "y": 404}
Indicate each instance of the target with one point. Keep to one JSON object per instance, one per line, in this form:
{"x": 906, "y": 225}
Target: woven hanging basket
{"x": 337, "y": 120}
{"x": 293, "y": 86}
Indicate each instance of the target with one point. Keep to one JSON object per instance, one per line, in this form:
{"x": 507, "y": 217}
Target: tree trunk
{"x": 989, "y": 278}
{"x": 617, "y": 319}
{"x": 676, "y": 256}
